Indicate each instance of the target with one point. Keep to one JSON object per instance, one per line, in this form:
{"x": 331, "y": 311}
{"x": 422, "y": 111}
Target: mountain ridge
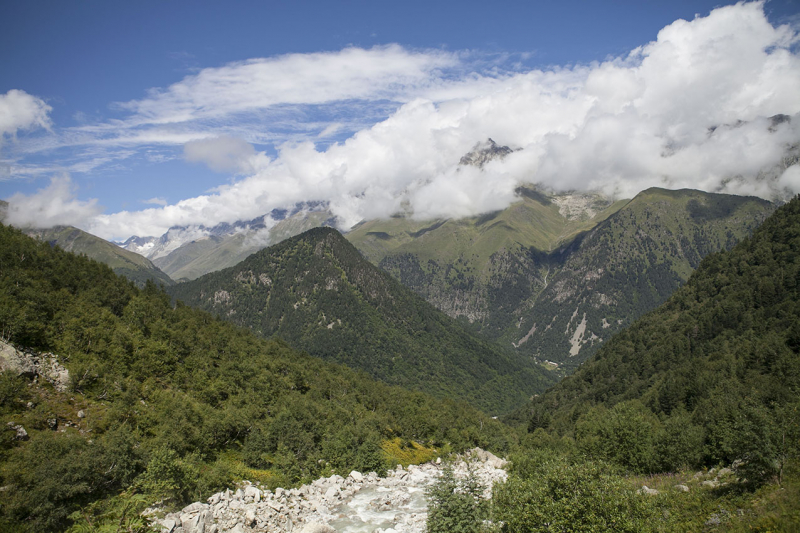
{"x": 317, "y": 292}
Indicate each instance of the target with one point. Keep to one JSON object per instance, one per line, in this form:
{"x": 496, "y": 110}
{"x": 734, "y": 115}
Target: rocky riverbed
{"x": 356, "y": 503}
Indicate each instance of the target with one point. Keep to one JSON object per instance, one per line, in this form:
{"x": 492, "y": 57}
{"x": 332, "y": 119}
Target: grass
{"x": 772, "y": 508}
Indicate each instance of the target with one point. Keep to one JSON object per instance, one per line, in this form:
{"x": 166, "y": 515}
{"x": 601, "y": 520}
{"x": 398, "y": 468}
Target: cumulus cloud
{"x": 690, "y": 109}
{"x": 21, "y": 111}
{"x": 54, "y": 205}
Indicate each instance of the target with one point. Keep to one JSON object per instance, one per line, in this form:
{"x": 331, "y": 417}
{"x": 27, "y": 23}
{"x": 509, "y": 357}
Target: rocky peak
{"x": 484, "y": 152}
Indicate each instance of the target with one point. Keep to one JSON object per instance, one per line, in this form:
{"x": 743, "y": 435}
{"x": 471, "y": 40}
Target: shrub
{"x": 556, "y": 496}
{"x": 456, "y": 505}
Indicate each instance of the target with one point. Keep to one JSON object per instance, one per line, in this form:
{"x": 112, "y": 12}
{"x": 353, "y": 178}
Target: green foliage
{"x": 718, "y": 365}
{"x": 456, "y": 505}
{"x": 624, "y": 435}
{"x": 118, "y": 514}
{"x": 166, "y": 476}
{"x": 319, "y": 294}
{"x": 176, "y": 399}
{"x": 46, "y": 476}
{"x": 547, "y": 492}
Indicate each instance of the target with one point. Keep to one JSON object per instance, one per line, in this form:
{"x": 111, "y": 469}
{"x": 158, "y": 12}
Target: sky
{"x": 130, "y": 118}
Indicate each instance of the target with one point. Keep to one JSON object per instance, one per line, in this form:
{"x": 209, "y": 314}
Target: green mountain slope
{"x": 627, "y": 265}
{"x": 555, "y": 275}
{"x": 125, "y": 263}
{"x": 168, "y": 403}
{"x": 482, "y": 268}
{"x": 318, "y": 293}
{"x": 711, "y": 376}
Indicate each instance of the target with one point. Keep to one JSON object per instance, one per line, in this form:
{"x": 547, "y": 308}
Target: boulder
{"x": 33, "y": 364}
{"x": 15, "y": 361}
{"x": 195, "y": 507}
{"x": 21, "y": 434}
{"x": 682, "y": 488}
{"x": 252, "y": 492}
{"x": 250, "y": 517}
{"x": 356, "y": 476}
{"x": 647, "y": 490}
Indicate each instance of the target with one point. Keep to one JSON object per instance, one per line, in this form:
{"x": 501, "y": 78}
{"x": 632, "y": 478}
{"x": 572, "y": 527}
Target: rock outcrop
{"x": 34, "y": 364}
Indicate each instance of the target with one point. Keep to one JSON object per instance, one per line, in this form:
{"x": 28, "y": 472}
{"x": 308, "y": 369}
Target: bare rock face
{"x": 34, "y": 364}
{"x": 12, "y": 360}
{"x": 484, "y": 152}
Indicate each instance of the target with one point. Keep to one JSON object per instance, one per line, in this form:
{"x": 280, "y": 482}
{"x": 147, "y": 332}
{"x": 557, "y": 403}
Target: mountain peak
{"x": 316, "y": 291}
{"x": 483, "y": 152}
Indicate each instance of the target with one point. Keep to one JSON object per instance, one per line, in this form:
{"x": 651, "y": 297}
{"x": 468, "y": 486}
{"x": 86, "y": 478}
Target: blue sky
{"x": 112, "y": 126}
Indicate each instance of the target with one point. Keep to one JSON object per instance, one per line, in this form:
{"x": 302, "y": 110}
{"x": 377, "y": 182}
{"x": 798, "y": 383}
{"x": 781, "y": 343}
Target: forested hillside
{"x": 173, "y": 403}
{"x": 133, "y": 266}
{"x": 319, "y": 294}
{"x": 626, "y": 266}
{"x": 689, "y": 420}
{"x": 125, "y": 263}
{"x": 714, "y": 373}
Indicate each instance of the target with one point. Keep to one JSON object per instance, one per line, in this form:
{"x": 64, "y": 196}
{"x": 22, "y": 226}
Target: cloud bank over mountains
{"x": 690, "y": 109}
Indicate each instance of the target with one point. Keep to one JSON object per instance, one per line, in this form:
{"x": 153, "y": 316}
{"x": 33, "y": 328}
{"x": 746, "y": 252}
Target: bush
{"x": 456, "y": 505}
{"x": 550, "y": 494}
{"x": 624, "y": 435}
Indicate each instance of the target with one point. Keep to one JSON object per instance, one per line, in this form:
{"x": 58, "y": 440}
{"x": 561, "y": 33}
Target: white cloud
{"x": 54, "y": 205}
{"x": 790, "y": 179}
{"x": 155, "y": 201}
{"x": 690, "y": 109}
{"x": 382, "y": 72}
{"x": 224, "y": 154}
{"x": 21, "y": 111}
{"x": 331, "y": 129}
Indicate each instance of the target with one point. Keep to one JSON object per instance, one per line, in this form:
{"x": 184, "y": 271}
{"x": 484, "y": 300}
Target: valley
{"x": 384, "y": 267}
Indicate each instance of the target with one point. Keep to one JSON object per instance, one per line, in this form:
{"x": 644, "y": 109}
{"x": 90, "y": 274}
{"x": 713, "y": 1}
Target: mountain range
{"x": 552, "y": 276}
{"x": 186, "y": 253}
{"x": 118, "y": 399}
{"x": 317, "y": 292}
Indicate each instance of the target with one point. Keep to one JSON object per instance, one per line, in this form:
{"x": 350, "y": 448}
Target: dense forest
{"x": 172, "y": 403}
{"x": 319, "y": 294}
{"x": 710, "y": 379}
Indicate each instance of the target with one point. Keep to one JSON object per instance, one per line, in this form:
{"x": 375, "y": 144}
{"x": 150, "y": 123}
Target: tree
{"x": 456, "y": 505}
